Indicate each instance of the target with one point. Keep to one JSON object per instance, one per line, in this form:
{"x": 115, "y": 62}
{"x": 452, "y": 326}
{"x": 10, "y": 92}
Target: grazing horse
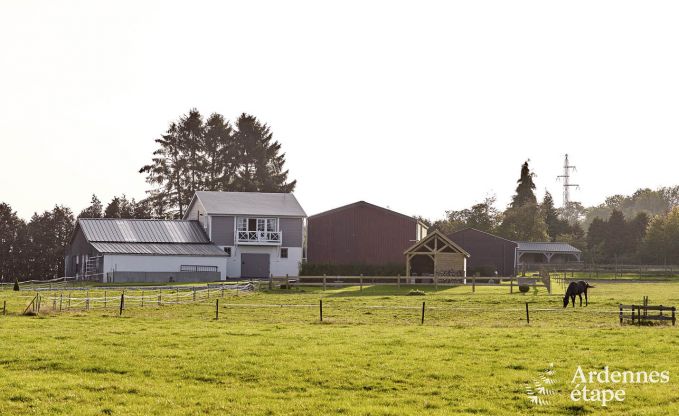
{"x": 576, "y": 289}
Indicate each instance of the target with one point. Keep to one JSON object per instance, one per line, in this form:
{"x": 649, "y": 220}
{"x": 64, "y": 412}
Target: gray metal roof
{"x": 547, "y": 247}
{"x": 155, "y": 249}
{"x": 250, "y": 203}
{"x": 142, "y": 231}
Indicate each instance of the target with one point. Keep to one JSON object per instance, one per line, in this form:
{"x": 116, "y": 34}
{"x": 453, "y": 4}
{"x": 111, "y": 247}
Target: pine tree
{"x": 524, "y": 220}
{"x": 195, "y": 155}
{"x": 556, "y": 226}
{"x": 49, "y": 234}
{"x": 524, "y": 191}
{"x": 167, "y": 172}
{"x": 220, "y": 154}
{"x": 190, "y": 131}
{"x": 94, "y": 210}
{"x": 260, "y": 161}
{"x": 120, "y": 207}
{"x": 11, "y": 243}
{"x": 616, "y": 233}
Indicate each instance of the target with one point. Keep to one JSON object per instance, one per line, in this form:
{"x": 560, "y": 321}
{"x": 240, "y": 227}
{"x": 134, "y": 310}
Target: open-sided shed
{"x": 436, "y": 255}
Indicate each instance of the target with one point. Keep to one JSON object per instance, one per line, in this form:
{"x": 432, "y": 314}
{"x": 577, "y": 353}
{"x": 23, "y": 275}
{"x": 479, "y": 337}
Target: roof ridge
{"x": 133, "y": 219}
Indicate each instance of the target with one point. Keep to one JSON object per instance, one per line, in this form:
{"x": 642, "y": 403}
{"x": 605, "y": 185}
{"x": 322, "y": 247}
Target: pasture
{"x": 268, "y": 354}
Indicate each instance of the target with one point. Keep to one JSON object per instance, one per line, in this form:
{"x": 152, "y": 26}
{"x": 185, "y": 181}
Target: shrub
{"x": 482, "y": 271}
{"x": 524, "y": 288}
{"x": 416, "y": 292}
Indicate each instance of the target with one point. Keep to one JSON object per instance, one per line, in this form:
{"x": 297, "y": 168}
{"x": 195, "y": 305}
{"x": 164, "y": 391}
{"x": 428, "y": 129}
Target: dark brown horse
{"x": 576, "y": 289}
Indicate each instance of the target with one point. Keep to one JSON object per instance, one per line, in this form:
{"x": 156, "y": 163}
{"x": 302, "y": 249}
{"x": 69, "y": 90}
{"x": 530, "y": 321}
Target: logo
{"x": 542, "y": 386}
{"x": 585, "y": 386}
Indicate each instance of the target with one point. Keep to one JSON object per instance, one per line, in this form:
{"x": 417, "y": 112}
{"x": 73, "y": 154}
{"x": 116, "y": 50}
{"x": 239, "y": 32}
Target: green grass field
{"x": 475, "y": 354}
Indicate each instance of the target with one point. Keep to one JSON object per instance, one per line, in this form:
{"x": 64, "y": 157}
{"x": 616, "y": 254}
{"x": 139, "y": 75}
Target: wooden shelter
{"x": 436, "y": 255}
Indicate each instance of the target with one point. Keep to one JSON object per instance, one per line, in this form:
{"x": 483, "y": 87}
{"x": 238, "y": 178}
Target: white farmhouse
{"x": 222, "y": 235}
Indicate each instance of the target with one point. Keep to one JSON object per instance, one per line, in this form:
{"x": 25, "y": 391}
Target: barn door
{"x": 254, "y": 265}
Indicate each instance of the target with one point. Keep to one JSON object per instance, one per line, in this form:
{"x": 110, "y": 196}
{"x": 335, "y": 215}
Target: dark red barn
{"x": 489, "y": 253}
{"x": 361, "y": 233}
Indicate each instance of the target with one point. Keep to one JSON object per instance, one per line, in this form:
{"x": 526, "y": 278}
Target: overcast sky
{"x": 419, "y": 106}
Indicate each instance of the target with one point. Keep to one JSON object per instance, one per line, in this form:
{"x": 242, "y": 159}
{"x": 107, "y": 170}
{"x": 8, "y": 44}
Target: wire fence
{"x": 137, "y": 298}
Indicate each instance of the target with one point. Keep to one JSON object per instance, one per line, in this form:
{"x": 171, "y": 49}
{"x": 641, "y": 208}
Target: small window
{"x": 284, "y": 252}
{"x": 227, "y": 250}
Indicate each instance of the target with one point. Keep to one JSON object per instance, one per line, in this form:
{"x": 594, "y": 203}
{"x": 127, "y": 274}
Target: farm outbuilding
{"x": 436, "y": 255}
{"x": 531, "y": 253}
{"x": 489, "y": 253}
{"x": 123, "y": 250}
{"x": 223, "y": 235}
{"x": 361, "y": 234}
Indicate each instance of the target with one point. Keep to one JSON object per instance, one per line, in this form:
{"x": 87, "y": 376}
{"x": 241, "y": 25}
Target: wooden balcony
{"x": 262, "y": 238}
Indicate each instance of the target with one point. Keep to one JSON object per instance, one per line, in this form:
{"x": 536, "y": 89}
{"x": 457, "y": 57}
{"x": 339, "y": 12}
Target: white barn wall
{"x": 140, "y": 263}
{"x": 197, "y": 213}
{"x": 278, "y": 266}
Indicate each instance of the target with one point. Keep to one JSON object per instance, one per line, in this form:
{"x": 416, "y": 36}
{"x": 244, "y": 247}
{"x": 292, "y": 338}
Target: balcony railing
{"x": 260, "y": 237}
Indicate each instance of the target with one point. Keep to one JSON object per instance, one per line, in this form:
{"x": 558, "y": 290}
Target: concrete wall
{"x": 161, "y": 277}
{"x": 132, "y": 263}
{"x": 222, "y": 230}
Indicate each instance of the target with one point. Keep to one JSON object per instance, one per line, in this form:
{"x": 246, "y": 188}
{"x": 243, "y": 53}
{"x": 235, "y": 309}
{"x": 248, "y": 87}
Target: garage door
{"x": 254, "y": 265}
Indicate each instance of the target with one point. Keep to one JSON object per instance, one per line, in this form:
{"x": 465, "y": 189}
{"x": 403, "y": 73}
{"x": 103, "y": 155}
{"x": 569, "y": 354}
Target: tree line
{"x": 640, "y": 228}
{"x": 215, "y": 155}
{"x": 193, "y": 154}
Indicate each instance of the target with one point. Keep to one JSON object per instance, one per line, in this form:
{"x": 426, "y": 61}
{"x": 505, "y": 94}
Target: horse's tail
{"x": 588, "y": 285}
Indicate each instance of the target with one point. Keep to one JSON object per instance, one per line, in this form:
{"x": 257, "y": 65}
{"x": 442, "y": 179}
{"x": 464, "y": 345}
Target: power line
{"x": 567, "y": 185}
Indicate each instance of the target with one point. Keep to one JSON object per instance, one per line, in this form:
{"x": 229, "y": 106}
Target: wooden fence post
{"x": 360, "y": 281}
{"x": 474, "y": 283}
{"x": 142, "y": 298}
{"x": 270, "y": 281}
{"x": 105, "y": 299}
{"x": 194, "y": 293}
{"x": 320, "y": 309}
{"x": 527, "y": 316}
{"x": 324, "y": 282}
{"x": 4, "y": 309}
{"x": 122, "y": 302}
{"x": 422, "y": 322}
{"x": 217, "y": 309}
{"x": 511, "y": 285}
{"x": 398, "y": 281}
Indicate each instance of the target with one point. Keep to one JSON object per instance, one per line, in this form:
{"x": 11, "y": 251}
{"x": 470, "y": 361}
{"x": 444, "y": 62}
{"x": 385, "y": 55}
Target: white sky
{"x": 419, "y": 106}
